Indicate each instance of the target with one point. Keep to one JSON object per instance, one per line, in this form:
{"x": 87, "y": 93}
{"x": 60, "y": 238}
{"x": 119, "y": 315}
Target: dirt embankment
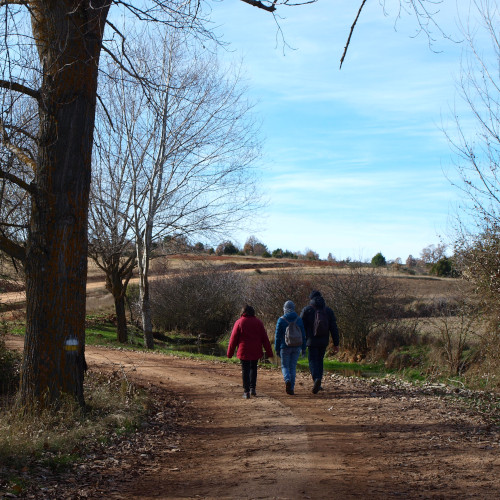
{"x": 363, "y": 439}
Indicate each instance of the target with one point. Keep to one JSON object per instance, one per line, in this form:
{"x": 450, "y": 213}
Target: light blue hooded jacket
{"x": 279, "y": 334}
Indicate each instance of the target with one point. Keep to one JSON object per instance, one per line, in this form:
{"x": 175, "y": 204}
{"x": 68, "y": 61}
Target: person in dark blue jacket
{"x": 289, "y": 354}
{"x": 317, "y": 344}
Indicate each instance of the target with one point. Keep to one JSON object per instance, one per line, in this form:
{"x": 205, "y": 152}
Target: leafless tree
{"x": 50, "y": 55}
{"x": 190, "y": 144}
{"x": 253, "y": 246}
{"x": 432, "y": 253}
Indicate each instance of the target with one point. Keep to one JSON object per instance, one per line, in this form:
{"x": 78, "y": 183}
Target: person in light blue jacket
{"x": 289, "y": 354}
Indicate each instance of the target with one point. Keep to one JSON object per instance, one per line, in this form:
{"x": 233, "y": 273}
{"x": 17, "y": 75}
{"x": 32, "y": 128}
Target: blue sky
{"x": 353, "y": 159}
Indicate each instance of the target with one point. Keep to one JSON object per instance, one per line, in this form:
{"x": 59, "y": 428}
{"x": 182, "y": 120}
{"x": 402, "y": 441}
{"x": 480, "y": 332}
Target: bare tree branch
{"x": 350, "y": 33}
{"x": 260, "y": 5}
{"x": 11, "y": 248}
{"x": 271, "y": 6}
{"x": 18, "y": 181}
{"x": 21, "y": 154}
{"x": 18, "y": 87}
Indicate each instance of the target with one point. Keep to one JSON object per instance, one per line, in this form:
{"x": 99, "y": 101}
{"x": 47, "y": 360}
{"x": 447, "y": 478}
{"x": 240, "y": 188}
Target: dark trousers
{"x": 315, "y": 357}
{"x": 249, "y": 373}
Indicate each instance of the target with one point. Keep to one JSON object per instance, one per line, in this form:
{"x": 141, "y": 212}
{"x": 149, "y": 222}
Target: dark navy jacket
{"x": 308, "y": 314}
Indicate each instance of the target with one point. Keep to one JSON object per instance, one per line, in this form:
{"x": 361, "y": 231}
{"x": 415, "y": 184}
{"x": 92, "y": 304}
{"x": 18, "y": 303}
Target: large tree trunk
{"x": 68, "y": 36}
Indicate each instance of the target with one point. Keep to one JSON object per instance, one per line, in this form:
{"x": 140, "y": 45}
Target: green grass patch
{"x": 16, "y": 328}
{"x": 182, "y": 346}
{"x": 348, "y": 369}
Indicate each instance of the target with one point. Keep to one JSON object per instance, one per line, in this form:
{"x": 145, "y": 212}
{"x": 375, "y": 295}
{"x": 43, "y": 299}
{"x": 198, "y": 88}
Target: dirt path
{"x": 356, "y": 439}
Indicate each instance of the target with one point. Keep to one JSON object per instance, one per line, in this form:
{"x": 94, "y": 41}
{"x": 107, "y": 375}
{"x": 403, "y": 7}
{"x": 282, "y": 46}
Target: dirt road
{"x": 362, "y": 439}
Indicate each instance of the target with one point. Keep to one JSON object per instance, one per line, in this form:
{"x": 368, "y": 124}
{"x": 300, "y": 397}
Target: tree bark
{"x": 69, "y": 37}
{"x": 121, "y": 319}
{"x": 117, "y": 278}
{"x": 143, "y": 256}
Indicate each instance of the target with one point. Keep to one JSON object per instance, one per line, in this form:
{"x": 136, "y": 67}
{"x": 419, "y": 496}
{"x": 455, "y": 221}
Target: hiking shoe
{"x": 246, "y": 395}
{"x": 316, "y": 386}
{"x": 288, "y": 387}
{"x": 253, "y": 393}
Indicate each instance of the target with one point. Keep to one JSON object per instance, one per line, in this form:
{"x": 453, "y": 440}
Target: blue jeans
{"x": 315, "y": 356}
{"x": 289, "y": 358}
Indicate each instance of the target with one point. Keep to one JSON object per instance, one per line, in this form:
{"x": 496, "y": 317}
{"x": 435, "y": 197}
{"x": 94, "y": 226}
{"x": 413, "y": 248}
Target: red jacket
{"x": 250, "y": 336}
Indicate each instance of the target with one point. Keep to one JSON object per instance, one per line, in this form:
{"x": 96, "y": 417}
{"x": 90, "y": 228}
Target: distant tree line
{"x": 432, "y": 259}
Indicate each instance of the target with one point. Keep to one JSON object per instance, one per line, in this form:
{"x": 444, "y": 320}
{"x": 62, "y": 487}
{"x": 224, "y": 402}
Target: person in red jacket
{"x": 250, "y": 336}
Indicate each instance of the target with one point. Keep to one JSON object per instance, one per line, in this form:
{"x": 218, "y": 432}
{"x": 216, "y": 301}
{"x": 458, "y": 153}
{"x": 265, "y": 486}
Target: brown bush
{"x": 202, "y": 300}
{"x": 268, "y": 294}
{"x": 382, "y": 342}
{"x": 366, "y": 303}
{"x": 399, "y": 360}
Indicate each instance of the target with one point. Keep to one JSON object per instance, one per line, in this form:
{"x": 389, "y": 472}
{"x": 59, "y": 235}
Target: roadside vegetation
{"x": 55, "y": 437}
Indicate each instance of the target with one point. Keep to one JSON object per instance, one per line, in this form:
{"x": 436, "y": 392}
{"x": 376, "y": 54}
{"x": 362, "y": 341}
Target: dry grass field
{"x": 421, "y": 287}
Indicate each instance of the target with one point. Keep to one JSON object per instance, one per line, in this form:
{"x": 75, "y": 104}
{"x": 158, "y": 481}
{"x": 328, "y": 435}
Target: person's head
{"x": 288, "y": 307}
{"x": 247, "y": 310}
{"x": 317, "y": 299}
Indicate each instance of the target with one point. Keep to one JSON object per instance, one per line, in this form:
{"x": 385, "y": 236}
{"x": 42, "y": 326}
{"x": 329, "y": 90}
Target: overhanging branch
{"x": 261, "y": 5}
{"x": 350, "y": 33}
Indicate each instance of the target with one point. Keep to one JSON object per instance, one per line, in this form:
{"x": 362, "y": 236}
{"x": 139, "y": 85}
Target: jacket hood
{"x": 291, "y": 316}
{"x": 318, "y": 302}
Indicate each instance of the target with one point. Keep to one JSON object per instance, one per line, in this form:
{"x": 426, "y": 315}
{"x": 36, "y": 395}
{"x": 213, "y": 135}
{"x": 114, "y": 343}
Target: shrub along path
{"x": 374, "y": 439}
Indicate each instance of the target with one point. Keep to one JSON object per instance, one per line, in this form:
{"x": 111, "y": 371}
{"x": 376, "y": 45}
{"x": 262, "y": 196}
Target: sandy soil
{"x": 357, "y": 438}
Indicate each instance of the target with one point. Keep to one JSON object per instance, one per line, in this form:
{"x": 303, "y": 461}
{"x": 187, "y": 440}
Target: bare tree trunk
{"x": 68, "y": 36}
{"x": 143, "y": 257}
{"x": 147, "y": 324}
{"x": 116, "y": 283}
{"x": 121, "y": 320}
